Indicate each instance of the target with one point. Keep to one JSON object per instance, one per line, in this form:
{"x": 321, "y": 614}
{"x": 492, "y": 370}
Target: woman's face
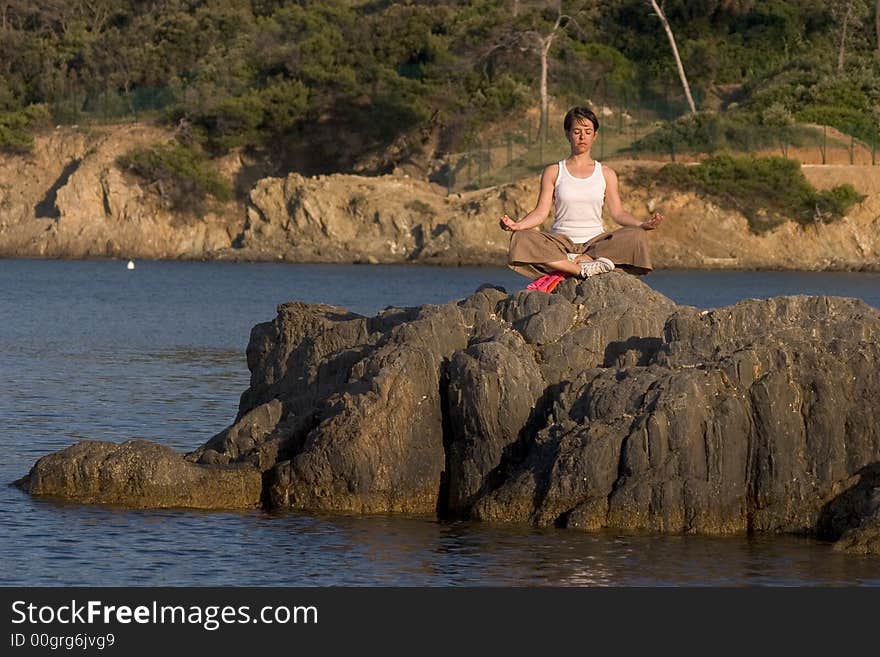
{"x": 581, "y": 136}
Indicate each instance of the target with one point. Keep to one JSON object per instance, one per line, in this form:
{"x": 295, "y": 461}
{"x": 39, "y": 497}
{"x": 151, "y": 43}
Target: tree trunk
{"x": 877, "y": 25}
{"x": 545, "y": 109}
{"x": 841, "y": 53}
{"x": 544, "y": 46}
{"x": 684, "y": 82}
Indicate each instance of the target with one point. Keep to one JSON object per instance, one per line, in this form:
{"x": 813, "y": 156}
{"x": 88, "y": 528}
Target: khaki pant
{"x": 531, "y": 250}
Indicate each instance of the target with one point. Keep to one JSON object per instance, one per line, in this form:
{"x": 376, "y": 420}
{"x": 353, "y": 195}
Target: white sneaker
{"x": 597, "y": 266}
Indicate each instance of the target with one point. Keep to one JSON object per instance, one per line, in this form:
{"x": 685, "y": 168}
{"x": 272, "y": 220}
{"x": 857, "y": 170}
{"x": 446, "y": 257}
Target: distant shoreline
{"x": 96, "y": 210}
{"x": 869, "y": 268}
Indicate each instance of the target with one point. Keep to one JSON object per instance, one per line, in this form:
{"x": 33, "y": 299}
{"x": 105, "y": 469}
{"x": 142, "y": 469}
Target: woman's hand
{"x": 653, "y": 222}
{"x": 508, "y": 224}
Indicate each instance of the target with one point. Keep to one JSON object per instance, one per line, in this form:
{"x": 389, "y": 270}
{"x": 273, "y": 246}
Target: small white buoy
{"x": 130, "y": 264}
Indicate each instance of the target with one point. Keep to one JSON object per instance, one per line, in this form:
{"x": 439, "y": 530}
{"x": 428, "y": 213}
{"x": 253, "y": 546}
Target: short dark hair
{"x": 579, "y": 114}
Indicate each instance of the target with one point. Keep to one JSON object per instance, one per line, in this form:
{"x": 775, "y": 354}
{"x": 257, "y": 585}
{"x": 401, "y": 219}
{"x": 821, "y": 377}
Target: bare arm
{"x": 615, "y": 206}
{"x": 542, "y": 208}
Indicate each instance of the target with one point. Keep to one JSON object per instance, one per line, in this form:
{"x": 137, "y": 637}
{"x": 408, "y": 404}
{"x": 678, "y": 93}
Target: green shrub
{"x": 13, "y": 139}
{"x": 767, "y": 190}
{"x": 255, "y": 117}
{"x": 710, "y": 133}
{"x": 182, "y": 175}
{"x": 812, "y": 92}
{"x": 16, "y": 127}
{"x": 833, "y": 204}
{"x": 420, "y": 207}
{"x": 846, "y": 119}
{"x": 698, "y": 133}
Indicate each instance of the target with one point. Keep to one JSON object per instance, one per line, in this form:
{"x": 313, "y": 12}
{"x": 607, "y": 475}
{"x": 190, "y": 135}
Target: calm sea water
{"x": 91, "y": 350}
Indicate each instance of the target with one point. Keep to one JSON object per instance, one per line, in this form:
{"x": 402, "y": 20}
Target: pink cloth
{"x": 547, "y": 282}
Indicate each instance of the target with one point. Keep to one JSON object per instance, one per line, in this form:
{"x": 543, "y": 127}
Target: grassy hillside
{"x": 332, "y": 85}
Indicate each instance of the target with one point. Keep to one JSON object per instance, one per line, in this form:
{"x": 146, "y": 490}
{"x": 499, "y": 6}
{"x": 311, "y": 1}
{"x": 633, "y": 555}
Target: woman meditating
{"x": 578, "y": 187}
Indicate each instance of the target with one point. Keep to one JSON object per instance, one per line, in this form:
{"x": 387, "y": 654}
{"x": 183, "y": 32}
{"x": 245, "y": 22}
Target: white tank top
{"x": 579, "y": 204}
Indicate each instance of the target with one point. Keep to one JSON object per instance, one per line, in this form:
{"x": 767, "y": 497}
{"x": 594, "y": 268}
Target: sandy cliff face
{"x": 700, "y": 234}
{"x": 69, "y": 199}
{"x": 386, "y": 219}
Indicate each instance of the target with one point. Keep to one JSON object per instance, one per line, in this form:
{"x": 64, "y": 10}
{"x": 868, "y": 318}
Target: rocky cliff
{"x": 389, "y": 219}
{"x": 69, "y": 199}
{"x": 386, "y": 219}
{"x": 601, "y": 405}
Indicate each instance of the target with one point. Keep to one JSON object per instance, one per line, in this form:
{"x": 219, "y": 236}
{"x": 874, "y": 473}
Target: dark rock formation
{"x": 745, "y": 419}
{"x": 141, "y": 474}
{"x": 601, "y": 405}
{"x": 853, "y": 516}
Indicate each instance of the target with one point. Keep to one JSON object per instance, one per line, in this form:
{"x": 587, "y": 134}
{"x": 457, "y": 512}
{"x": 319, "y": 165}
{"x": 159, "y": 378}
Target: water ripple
{"x": 90, "y": 351}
